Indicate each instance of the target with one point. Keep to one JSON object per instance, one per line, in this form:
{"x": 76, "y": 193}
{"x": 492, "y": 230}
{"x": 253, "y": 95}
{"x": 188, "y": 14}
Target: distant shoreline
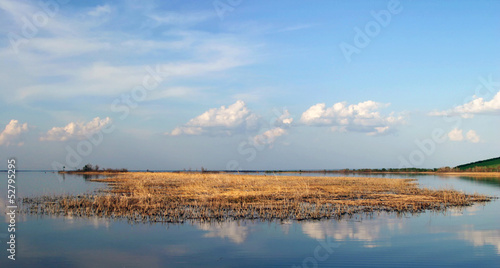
{"x": 454, "y": 173}
{"x": 472, "y": 174}
{"x": 465, "y": 173}
{"x": 91, "y": 172}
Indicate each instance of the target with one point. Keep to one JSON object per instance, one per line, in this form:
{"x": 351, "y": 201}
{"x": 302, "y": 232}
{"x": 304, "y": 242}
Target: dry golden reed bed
{"x": 177, "y": 197}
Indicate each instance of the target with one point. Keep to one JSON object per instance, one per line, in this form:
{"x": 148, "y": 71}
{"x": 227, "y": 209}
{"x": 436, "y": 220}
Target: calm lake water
{"x": 458, "y": 238}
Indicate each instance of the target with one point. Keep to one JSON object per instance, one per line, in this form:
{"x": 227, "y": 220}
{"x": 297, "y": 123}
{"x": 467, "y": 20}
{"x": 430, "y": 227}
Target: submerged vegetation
{"x": 177, "y": 197}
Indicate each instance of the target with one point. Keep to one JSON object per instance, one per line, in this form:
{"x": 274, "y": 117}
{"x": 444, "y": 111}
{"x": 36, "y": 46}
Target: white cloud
{"x": 76, "y": 130}
{"x": 173, "y": 92}
{"x": 283, "y": 122}
{"x": 62, "y": 47}
{"x": 100, "y": 10}
{"x": 472, "y": 136}
{"x": 19, "y": 11}
{"x": 269, "y": 137}
{"x": 379, "y": 130}
{"x": 99, "y": 77}
{"x": 295, "y": 28}
{"x": 476, "y": 106}
{"x": 85, "y": 57}
{"x": 144, "y": 46}
{"x": 220, "y": 121}
{"x": 362, "y": 117}
{"x": 181, "y": 19}
{"x": 284, "y": 119}
{"x": 456, "y": 135}
{"x": 10, "y": 135}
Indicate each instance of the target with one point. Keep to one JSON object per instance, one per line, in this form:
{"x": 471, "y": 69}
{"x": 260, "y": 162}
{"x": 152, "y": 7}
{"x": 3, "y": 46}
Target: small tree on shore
{"x": 88, "y": 167}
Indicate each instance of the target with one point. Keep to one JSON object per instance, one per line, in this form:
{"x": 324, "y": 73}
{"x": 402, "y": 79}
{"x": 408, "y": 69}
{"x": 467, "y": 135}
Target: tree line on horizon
{"x": 91, "y": 168}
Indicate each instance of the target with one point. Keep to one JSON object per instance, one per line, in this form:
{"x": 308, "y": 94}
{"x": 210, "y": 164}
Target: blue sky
{"x": 249, "y": 84}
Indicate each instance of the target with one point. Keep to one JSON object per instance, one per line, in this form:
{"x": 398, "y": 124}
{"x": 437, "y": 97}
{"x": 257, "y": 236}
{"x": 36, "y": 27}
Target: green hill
{"x": 489, "y": 163}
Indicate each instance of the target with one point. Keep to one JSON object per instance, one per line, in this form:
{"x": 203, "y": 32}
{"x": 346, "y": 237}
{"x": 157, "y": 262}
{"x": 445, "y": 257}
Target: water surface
{"x": 456, "y": 238}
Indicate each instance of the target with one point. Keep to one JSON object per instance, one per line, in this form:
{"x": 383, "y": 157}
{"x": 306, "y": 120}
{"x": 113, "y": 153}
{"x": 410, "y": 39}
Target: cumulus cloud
{"x": 281, "y": 124}
{"x": 220, "y": 121}
{"x": 76, "y": 130}
{"x": 362, "y": 117}
{"x": 284, "y": 119}
{"x": 10, "y": 135}
{"x": 269, "y": 137}
{"x": 472, "y": 136}
{"x": 476, "y": 106}
{"x": 457, "y": 135}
